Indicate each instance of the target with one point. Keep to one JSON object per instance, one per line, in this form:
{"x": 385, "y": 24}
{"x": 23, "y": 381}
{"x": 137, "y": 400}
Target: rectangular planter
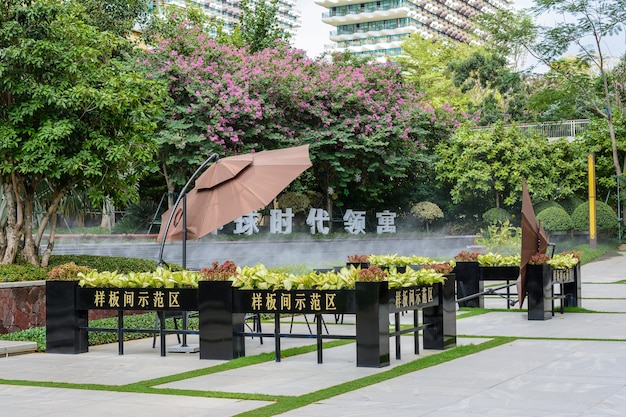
{"x": 372, "y": 324}
{"x": 499, "y": 273}
{"x": 440, "y": 318}
{"x": 221, "y": 330}
{"x": 467, "y": 276}
{"x": 64, "y": 320}
{"x": 539, "y": 291}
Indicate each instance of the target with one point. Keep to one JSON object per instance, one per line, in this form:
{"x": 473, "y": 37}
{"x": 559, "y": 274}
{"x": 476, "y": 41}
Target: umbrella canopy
{"x": 233, "y": 187}
{"x": 534, "y": 240}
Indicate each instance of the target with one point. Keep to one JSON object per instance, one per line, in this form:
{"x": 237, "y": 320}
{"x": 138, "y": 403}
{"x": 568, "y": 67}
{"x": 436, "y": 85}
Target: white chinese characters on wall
{"x": 318, "y": 220}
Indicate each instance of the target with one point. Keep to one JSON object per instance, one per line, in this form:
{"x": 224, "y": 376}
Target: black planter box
{"x": 467, "y": 277}
{"x": 539, "y": 292}
{"x": 499, "y": 273}
{"x": 64, "y": 320}
{"x": 372, "y": 324}
{"x": 221, "y": 329}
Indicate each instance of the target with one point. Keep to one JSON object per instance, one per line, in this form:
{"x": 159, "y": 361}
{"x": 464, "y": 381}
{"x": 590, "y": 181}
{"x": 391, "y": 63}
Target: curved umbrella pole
{"x": 213, "y": 158}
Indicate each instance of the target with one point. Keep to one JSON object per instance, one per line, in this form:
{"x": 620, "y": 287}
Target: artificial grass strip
{"x": 236, "y": 363}
{"x": 293, "y": 403}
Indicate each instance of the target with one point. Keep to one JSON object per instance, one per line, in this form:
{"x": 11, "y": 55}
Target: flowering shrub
{"x": 67, "y": 272}
{"x": 363, "y": 122}
{"x": 224, "y": 272}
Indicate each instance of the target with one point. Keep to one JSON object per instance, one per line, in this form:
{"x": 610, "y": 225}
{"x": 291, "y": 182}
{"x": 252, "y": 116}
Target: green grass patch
{"x": 293, "y": 403}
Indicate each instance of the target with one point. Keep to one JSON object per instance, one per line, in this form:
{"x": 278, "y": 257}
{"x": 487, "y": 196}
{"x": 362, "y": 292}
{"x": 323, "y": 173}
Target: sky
{"x": 314, "y": 34}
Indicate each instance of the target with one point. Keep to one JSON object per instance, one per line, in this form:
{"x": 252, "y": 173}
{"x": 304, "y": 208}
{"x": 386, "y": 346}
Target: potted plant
{"x": 221, "y": 331}
{"x": 358, "y": 261}
{"x": 62, "y": 335}
{"x": 372, "y": 318}
{"x": 467, "y": 277}
{"x": 495, "y": 266}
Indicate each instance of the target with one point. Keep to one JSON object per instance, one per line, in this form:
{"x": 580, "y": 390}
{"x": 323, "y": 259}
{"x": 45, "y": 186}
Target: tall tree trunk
{"x": 30, "y": 252}
{"x": 45, "y": 258}
{"x": 13, "y": 230}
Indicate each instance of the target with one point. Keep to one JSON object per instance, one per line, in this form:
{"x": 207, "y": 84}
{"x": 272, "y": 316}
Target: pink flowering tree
{"x": 367, "y": 129}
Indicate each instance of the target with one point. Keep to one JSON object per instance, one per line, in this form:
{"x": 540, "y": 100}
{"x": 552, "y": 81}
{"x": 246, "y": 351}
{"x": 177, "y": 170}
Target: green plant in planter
{"x": 565, "y": 260}
{"x": 161, "y": 278}
{"x": 496, "y": 259}
{"x": 395, "y": 260}
{"x": 412, "y": 277}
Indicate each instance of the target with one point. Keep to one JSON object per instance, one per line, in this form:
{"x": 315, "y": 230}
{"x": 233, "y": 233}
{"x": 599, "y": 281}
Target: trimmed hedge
{"x": 27, "y": 272}
{"x": 606, "y": 219}
{"x": 546, "y": 204}
{"x": 570, "y": 204}
{"x": 555, "y": 219}
{"x": 496, "y": 215}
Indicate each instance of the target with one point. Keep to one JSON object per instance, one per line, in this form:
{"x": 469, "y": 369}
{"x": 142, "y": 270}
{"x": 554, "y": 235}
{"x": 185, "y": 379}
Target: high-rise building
{"x": 378, "y": 28}
{"x": 228, "y": 11}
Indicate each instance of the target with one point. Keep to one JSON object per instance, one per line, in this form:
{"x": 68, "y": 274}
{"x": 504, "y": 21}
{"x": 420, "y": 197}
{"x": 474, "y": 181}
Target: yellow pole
{"x": 591, "y": 166}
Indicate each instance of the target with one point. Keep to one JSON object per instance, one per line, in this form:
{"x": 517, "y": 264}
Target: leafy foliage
{"x": 497, "y": 259}
{"x": 496, "y": 215}
{"x": 427, "y": 211}
{"x": 367, "y": 130}
{"x": 555, "y": 219}
{"x": 489, "y": 165}
{"x": 15, "y": 273}
{"x": 606, "y": 219}
{"x": 501, "y": 237}
{"x": 106, "y": 263}
{"x": 67, "y": 272}
{"x": 74, "y": 113}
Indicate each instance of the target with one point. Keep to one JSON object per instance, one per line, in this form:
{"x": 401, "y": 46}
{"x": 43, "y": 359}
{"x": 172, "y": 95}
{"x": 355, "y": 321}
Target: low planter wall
{"x": 23, "y": 306}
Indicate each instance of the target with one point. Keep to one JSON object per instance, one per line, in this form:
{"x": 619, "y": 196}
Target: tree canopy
{"x": 74, "y": 113}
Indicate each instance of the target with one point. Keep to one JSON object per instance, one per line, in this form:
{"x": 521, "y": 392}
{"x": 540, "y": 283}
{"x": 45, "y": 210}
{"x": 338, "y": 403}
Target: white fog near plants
{"x": 309, "y": 251}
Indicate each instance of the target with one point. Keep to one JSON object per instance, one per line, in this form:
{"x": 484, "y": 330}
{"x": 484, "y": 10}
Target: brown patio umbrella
{"x": 232, "y": 187}
{"x": 534, "y": 240}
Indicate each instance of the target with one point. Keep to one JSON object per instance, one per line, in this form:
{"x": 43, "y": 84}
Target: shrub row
{"x": 27, "y": 272}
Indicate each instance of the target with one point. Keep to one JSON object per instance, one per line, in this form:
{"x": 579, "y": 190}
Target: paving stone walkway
{"x": 573, "y": 365}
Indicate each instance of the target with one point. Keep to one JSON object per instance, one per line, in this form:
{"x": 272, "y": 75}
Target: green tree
{"x": 553, "y": 97}
{"x": 490, "y": 164}
{"x": 117, "y": 16}
{"x": 586, "y": 24}
{"x": 426, "y": 64}
{"x": 492, "y": 87}
{"x": 73, "y": 113}
{"x": 258, "y": 27}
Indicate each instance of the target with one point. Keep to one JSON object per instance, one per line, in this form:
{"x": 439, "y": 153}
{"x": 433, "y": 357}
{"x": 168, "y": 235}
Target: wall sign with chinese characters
{"x": 412, "y": 298}
{"x": 184, "y": 299}
{"x": 296, "y": 301}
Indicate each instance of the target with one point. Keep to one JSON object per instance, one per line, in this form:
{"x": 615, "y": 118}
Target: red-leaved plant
{"x": 538, "y": 259}
{"x": 372, "y": 274}
{"x": 67, "y": 272}
{"x": 466, "y": 256}
{"x": 441, "y": 267}
{"x": 217, "y": 272}
{"x": 357, "y": 259}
